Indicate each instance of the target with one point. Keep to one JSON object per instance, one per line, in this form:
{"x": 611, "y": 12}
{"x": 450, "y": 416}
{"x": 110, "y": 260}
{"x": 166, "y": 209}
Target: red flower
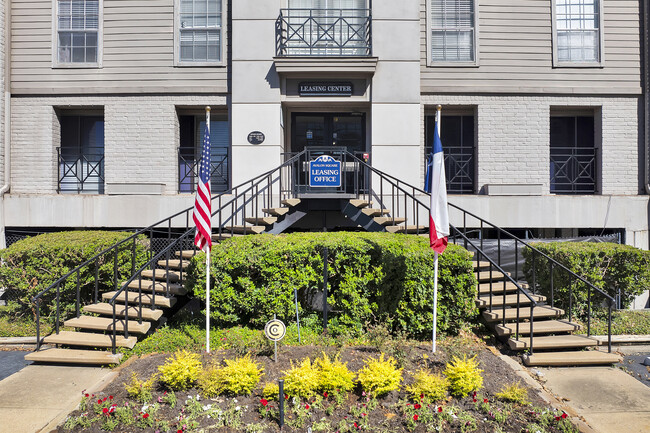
{"x": 105, "y": 411}
{"x": 363, "y": 414}
{"x": 421, "y": 396}
{"x": 439, "y": 408}
{"x": 557, "y": 418}
{"x": 105, "y": 398}
{"x": 417, "y": 406}
{"x": 86, "y": 395}
{"x": 474, "y": 400}
{"x": 145, "y": 416}
{"x": 355, "y": 424}
{"x": 325, "y": 394}
{"x": 110, "y": 397}
{"x": 563, "y": 415}
{"x": 286, "y": 396}
{"x": 179, "y": 431}
{"x": 415, "y": 417}
{"x": 485, "y": 400}
{"x": 99, "y": 401}
{"x": 264, "y": 402}
{"x": 306, "y": 406}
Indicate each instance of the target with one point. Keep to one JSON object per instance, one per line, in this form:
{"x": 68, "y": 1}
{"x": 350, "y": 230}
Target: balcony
{"x": 324, "y": 33}
{"x": 81, "y": 171}
{"x": 574, "y": 170}
{"x": 188, "y": 170}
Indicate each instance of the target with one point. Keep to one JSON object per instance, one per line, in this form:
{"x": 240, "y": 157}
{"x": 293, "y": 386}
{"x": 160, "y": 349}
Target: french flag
{"x": 436, "y": 185}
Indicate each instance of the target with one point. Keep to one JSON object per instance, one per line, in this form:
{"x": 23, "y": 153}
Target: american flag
{"x": 202, "y": 207}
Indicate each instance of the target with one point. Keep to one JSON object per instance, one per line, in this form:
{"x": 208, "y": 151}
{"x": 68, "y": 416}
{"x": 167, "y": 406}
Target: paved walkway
{"x": 11, "y": 362}
{"x": 38, "y": 397}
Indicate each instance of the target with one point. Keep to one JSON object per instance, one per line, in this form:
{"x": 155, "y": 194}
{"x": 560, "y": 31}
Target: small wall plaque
{"x": 256, "y": 137}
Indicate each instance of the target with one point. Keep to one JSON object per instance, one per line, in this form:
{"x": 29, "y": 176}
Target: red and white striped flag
{"x": 202, "y": 206}
{"x": 439, "y": 215}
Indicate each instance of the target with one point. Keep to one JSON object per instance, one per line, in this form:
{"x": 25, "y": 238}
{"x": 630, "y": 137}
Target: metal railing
{"x": 459, "y": 168}
{"x": 188, "y": 170}
{"x": 80, "y": 172}
{"x": 574, "y": 170}
{"x": 324, "y": 32}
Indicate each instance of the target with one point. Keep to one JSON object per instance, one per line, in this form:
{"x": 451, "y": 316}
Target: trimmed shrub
{"x": 181, "y": 370}
{"x": 380, "y": 376}
{"x": 334, "y": 375}
{"x": 31, "y": 265}
{"x": 611, "y": 267}
{"x": 464, "y": 376}
{"x": 373, "y": 278}
{"x": 238, "y": 377}
{"x": 428, "y": 387}
{"x": 301, "y": 380}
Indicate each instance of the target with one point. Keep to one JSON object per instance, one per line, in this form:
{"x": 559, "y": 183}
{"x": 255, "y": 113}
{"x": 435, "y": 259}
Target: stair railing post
{"x": 589, "y": 311}
{"x": 78, "y": 296}
{"x": 518, "y": 309}
{"x": 465, "y": 230}
{"x": 534, "y": 286}
{"x": 532, "y": 331}
{"x": 133, "y": 257}
{"x": 140, "y": 297}
{"x": 552, "y": 287}
{"x": 516, "y": 276}
{"x": 115, "y": 270}
{"x": 126, "y": 314}
{"x": 114, "y": 327}
{"x": 38, "y": 324}
{"x": 96, "y": 281}
{"x": 499, "y": 247}
{"x": 570, "y": 302}
{"x": 609, "y": 326}
{"x": 167, "y": 273}
{"x": 58, "y": 293}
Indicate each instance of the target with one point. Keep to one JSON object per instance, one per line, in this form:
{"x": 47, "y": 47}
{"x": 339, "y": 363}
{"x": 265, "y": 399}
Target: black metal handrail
{"x": 324, "y": 32}
{"x": 573, "y": 170}
{"x": 188, "y": 170}
{"x": 80, "y": 171}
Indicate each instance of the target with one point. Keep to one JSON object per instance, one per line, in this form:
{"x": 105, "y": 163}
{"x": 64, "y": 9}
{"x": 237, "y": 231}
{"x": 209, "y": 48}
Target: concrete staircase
{"x": 553, "y": 341}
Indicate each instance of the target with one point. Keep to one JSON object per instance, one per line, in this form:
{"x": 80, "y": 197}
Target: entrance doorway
{"x": 329, "y": 129}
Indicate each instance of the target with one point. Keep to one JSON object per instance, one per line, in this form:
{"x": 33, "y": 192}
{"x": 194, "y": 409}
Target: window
{"x": 189, "y": 152}
{"x": 457, "y": 136}
{"x": 199, "y": 35}
{"x": 452, "y": 31}
{"x": 81, "y": 155}
{"x": 78, "y": 32}
{"x": 577, "y": 32}
{"x": 573, "y": 155}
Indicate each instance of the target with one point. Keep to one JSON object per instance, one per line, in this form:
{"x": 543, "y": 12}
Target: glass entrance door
{"x": 329, "y": 129}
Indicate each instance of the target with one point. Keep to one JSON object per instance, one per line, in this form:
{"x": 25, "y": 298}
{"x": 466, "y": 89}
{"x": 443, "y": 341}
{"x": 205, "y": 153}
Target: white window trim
{"x": 431, "y": 63}
{"x": 55, "y": 41}
{"x": 177, "y": 42}
{"x": 601, "y": 41}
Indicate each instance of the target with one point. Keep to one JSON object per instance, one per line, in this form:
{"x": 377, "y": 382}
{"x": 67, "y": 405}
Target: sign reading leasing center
{"x": 325, "y": 89}
{"x": 325, "y": 171}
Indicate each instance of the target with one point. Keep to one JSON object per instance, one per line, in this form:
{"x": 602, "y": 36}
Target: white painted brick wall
{"x": 514, "y": 136}
{"x": 140, "y": 133}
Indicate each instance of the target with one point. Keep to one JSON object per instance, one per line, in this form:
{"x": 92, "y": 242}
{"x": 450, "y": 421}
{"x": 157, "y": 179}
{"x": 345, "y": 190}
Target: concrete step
{"x": 540, "y": 312}
{"x": 276, "y": 211}
{"x": 134, "y": 298}
{"x": 371, "y": 212}
{"x": 290, "y": 202}
{"x": 174, "y": 264}
{"x": 132, "y": 312}
{"x": 424, "y": 230}
{"x": 89, "y": 339}
{"x": 262, "y": 221}
{"x": 555, "y": 359}
{"x": 160, "y": 287}
{"x": 553, "y": 342}
{"x": 393, "y": 221}
{"x": 482, "y": 265}
{"x": 510, "y": 300}
{"x": 539, "y": 327}
{"x": 498, "y": 287}
{"x": 247, "y": 230}
{"x": 187, "y": 254}
{"x": 73, "y": 356}
{"x": 107, "y": 324}
{"x": 216, "y": 237}
{"x": 360, "y": 203}
{"x": 484, "y": 276}
{"x": 161, "y": 275}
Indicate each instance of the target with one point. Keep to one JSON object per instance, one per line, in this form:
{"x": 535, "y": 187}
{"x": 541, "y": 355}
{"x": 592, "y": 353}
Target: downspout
{"x": 646, "y": 94}
{"x": 7, "y": 122}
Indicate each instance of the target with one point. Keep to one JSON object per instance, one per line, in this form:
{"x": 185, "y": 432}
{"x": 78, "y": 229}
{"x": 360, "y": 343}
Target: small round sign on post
{"x": 275, "y": 330}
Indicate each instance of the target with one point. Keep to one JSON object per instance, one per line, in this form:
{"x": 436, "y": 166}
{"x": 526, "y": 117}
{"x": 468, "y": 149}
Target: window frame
{"x": 55, "y": 41}
{"x": 446, "y": 63}
{"x": 177, "y": 41}
{"x": 601, "y": 41}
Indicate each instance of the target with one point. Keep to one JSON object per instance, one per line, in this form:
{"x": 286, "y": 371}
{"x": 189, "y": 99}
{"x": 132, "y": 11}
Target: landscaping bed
{"x": 190, "y": 410}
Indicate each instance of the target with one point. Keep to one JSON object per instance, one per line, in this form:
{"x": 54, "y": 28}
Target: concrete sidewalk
{"x": 610, "y": 400}
{"x": 39, "y": 397}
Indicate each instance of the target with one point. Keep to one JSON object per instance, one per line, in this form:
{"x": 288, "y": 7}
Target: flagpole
{"x": 207, "y": 262}
{"x": 435, "y": 299}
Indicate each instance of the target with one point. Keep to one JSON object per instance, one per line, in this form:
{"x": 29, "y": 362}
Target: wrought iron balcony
{"x": 459, "y": 168}
{"x": 188, "y": 170}
{"x": 81, "y": 172}
{"x": 324, "y": 32}
{"x": 573, "y": 170}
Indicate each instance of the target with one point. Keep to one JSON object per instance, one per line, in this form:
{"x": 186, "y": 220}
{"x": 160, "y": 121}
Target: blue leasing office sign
{"x": 325, "y": 171}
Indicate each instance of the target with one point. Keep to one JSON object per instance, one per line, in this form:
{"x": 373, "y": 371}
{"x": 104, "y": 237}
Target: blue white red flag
{"x": 439, "y": 215}
{"x": 202, "y": 205}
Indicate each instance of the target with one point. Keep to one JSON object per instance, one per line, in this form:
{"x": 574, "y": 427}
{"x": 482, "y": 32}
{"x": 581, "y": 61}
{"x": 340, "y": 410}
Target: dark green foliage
{"x": 610, "y": 267}
{"x": 32, "y": 264}
{"x": 373, "y": 277}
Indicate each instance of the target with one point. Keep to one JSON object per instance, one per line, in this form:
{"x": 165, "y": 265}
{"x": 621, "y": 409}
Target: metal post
{"x": 58, "y": 291}
{"x": 96, "y": 281}
{"x": 552, "y": 295}
{"x": 38, "y": 325}
{"x": 325, "y": 276}
{"x": 115, "y": 270}
{"x": 609, "y": 328}
{"x": 78, "y": 295}
{"x": 281, "y": 402}
{"x": 295, "y": 294}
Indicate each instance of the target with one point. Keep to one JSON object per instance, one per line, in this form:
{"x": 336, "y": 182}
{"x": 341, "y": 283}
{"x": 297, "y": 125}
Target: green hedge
{"x": 32, "y": 264}
{"x": 373, "y": 277}
{"x": 610, "y": 267}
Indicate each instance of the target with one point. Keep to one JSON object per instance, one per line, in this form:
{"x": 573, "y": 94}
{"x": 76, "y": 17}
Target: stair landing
{"x": 74, "y": 356}
{"x": 556, "y": 359}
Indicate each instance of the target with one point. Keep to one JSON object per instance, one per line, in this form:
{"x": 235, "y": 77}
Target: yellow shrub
{"x": 464, "y": 375}
{"x": 271, "y": 391}
{"x": 301, "y": 380}
{"x": 514, "y": 393}
{"x": 380, "y": 377}
{"x": 181, "y": 370}
{"x": 334, "y": 375}
{"x": 140, "y": 390}
{"x": 428, "y": 387}
{"x": 238, "y": 377}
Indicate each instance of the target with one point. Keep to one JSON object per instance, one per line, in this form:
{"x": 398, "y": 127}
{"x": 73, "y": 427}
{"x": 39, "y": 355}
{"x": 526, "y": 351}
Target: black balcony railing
{"x": 459, "y": 168}
{"x": 574, "y": 170}
{"x": 188, "y": 170}
{"x": 324, "y": 32}
{"x": 81, "y": 171}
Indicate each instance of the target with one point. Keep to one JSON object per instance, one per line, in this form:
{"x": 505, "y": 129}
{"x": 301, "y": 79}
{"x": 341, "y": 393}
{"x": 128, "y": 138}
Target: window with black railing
{"x": 189, "y": 153}
{"x": 458, "y": 145}
{"x": 81, "y": 155}
{"x": 574, "y": 156}
{"x": 324, "y": 28}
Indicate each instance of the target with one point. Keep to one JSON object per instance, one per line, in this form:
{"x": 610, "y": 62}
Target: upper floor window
{"x": 78, "y": 32}
{"x": 199, "y": 32}
{"x": 452, "y": 31}
{"x": 578, "y": 36}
